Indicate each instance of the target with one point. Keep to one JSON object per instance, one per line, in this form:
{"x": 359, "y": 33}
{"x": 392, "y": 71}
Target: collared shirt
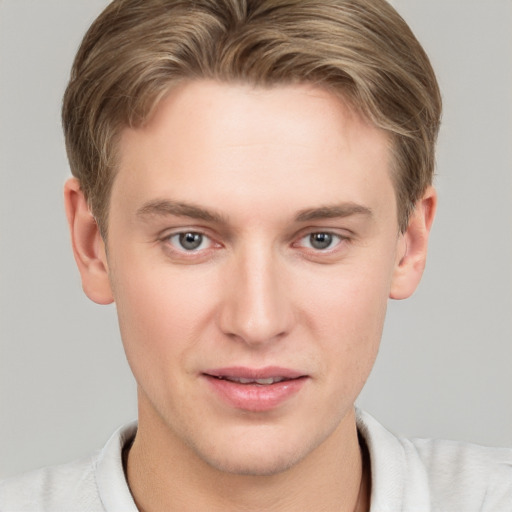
{"x": 419, "y": 475}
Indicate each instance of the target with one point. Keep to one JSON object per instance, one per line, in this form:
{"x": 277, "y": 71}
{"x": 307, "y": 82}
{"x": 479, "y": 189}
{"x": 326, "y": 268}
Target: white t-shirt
{"x": 407, "y": 475}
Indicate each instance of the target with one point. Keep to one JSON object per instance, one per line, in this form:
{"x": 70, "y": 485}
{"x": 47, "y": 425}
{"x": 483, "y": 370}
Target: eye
{"x": 320, "y": 241}
{"x": 189, "y": 241}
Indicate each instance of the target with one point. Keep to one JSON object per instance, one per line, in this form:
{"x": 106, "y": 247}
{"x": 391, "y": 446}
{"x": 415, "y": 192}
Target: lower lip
{"x": 256, "y": 397}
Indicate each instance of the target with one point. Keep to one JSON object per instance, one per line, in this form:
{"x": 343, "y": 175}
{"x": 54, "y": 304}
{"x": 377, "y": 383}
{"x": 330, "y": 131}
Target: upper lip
{"x": 241, "y": 372}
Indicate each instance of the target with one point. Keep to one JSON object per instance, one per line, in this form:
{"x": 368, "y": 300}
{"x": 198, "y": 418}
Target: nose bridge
{"x": 256, "y": 307}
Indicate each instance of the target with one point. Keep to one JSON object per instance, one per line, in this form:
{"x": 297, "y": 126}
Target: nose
{"x": 257, "y": 306}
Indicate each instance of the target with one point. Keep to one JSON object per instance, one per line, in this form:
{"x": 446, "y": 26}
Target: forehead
{"x": 212, "y": 142}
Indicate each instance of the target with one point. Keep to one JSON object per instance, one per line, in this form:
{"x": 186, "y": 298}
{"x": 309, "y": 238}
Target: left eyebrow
{"x": 163, "y": 207}
{"x": 334, "y": 211}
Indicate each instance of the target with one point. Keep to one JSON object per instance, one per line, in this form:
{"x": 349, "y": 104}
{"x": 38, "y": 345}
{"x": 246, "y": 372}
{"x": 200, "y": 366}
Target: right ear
{"x": 88, "y": 245}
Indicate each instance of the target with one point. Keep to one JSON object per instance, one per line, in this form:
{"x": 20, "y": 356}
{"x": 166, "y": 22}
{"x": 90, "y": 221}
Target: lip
{"x": 255, "y": 397}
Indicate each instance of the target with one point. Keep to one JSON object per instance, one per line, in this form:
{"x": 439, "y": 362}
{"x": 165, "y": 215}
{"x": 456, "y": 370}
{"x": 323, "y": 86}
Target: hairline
{"x": 103, "y": 218}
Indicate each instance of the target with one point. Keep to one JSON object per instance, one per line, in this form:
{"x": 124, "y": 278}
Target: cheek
{"x": 352, "y": 329}
{"x": 347, "y": 316}
{"x": 351, "y": 298}
{"x": 161, "y": 314}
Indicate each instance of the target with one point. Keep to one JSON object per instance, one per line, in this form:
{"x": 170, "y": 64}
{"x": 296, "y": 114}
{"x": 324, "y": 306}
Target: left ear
{"x": 88, "y": 245}
{"x": 413, "y": 247}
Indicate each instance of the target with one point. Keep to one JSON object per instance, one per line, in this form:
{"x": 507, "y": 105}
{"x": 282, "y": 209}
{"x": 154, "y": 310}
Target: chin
{"x": 263, "y": 455}
{"x": 267, "y": 464}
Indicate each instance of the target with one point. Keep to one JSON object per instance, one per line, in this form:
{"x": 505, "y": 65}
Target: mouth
{"x": 255, "y": 390}
{"x": 261, "y": 376}
{"x": 261, "y": 382}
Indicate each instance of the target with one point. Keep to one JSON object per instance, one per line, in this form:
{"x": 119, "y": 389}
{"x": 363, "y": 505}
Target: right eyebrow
{"x": 334, "y": 211}
{"x": 165, "y": 207}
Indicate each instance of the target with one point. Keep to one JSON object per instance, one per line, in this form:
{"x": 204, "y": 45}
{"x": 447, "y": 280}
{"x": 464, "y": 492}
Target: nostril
{"x": 255, "y": 310}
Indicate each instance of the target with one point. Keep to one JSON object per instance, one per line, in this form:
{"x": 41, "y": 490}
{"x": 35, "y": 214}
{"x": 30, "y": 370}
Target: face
{"x": 252, "y": 242}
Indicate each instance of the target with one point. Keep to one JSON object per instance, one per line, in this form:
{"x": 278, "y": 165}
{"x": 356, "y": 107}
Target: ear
{"x": 412, "y": 253}
{"x": 88, "y": 245}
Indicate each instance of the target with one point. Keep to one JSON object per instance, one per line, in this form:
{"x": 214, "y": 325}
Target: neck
{"x": 166, "y": 475}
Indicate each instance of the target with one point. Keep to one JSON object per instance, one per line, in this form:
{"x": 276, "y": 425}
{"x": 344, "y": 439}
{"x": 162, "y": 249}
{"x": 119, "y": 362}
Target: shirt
{"x": 418, "y": 475}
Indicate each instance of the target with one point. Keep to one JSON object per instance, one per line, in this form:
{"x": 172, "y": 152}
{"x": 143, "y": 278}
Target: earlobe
{"x": 88, "y": 245}
{"x": 413, "y": 247}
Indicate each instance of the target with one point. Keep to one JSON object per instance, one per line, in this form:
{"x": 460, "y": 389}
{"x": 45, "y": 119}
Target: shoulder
{"x": 435, "y": 475}
{"x": 466, "y": 474}
{"x": 93, "y": 484}
{"x": 54, "y": 488}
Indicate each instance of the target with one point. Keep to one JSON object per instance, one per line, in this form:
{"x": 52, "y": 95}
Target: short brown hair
{"x": 362, "y": 49}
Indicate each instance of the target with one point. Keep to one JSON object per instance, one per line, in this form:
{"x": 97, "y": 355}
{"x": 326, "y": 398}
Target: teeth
{"x": 270, "y": 380}
{"x": 263, "y": 382}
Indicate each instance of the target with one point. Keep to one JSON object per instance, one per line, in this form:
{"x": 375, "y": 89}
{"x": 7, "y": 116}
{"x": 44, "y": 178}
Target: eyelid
{"x": 204, "y": 239}
{"x": 166, "y": 235}
{"x": 330, "y": 233}
{"x": 337, "y": 249}
{"x": 312, "y": 230}
{"x": 339, "y": 244}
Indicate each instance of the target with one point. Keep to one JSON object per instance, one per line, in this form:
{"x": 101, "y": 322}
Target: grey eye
{"x": 190, "y": 241}
{"x": 320, "y": 240}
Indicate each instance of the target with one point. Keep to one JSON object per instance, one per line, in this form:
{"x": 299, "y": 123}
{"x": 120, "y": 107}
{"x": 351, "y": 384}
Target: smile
{"x": 255, "y": 390}
{"x": 261, "y": 382}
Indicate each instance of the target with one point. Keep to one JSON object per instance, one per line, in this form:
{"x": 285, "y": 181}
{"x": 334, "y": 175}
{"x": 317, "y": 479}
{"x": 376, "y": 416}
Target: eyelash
{"x": 334, "y": 239}
{"x": 194, "y": 234}
{"x": 176, "y": 248}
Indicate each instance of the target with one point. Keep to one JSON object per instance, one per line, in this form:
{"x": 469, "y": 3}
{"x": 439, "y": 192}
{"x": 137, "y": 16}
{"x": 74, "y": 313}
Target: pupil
{"x": 320, "y": 240}
{"x": 191, "y": 241}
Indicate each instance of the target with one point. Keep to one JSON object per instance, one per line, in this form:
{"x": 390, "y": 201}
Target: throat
{"x": 364, "y": 495}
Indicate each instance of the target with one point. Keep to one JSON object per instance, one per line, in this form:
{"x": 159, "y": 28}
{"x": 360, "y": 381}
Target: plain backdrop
{"x": 445, "y": 364}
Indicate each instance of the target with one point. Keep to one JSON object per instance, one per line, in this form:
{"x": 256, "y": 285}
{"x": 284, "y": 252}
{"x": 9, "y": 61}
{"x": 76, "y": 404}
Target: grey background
{"x": 444, "y": 366}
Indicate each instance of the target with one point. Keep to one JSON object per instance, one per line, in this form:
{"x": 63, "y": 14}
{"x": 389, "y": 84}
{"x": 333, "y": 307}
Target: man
{"x": 252, "y": 182}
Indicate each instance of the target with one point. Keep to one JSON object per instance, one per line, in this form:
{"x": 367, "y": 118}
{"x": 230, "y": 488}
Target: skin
{"x": 255, "y": 172}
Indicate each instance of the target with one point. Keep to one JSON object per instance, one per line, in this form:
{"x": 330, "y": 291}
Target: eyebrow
{"x": 334, "y": 211}
{"x": 164, "y": 207}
